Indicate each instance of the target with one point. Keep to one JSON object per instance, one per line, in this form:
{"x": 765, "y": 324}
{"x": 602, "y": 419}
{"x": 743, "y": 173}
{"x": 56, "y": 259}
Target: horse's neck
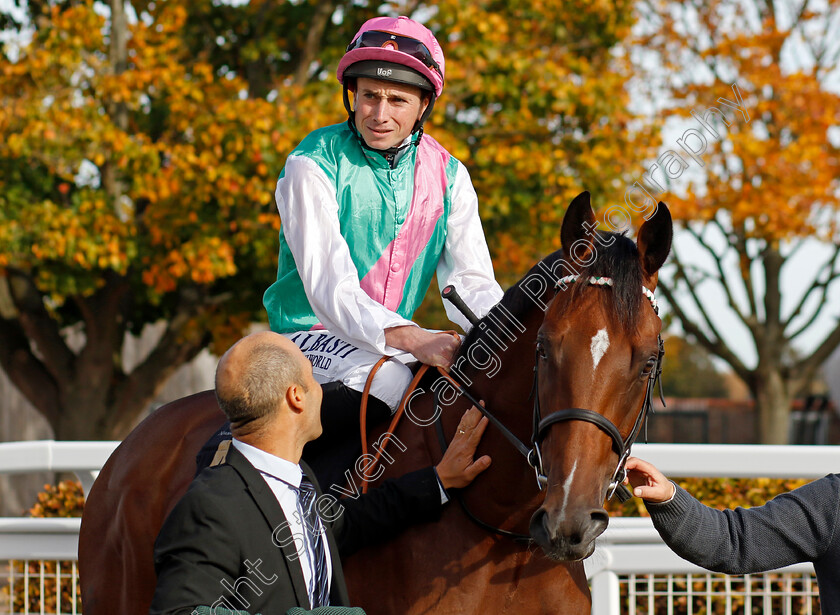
{"x": 503, "y": 495}
{"x": 497, "y": 364}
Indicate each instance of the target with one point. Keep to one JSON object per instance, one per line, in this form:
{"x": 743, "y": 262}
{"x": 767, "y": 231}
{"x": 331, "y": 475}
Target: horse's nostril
{"x": 538, "y": 527}
{"x": 599, "y": 516}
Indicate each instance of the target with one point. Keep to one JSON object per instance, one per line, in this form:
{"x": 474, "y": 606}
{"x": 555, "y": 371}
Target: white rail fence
{"x": 33, "y": 552}
{"x": 630, "y": 560}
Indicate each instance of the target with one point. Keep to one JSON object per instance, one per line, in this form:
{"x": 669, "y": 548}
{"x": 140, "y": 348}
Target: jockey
{"x": 371, "y": 208}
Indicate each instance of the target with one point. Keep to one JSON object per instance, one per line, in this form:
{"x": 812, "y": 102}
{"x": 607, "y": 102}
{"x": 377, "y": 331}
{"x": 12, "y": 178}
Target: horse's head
{"x": 596, "y": 350}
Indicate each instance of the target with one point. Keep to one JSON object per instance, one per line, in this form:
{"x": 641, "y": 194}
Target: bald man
{"x": 255, "y": 534}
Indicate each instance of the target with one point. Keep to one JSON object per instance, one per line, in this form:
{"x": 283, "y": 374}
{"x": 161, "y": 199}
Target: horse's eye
{"x": 651, "y": 363}
{"x": 541, "y": 351}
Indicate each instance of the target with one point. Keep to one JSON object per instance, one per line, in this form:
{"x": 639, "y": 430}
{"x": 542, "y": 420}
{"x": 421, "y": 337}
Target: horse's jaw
{"x": 568, "y": 539}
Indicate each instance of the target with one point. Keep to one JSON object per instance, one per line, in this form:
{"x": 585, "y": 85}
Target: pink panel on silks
{"x": 386, "y": 279}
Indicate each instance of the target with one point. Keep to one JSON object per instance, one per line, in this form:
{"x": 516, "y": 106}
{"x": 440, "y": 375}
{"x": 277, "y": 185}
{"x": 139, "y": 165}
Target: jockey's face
{"x": 386, "y": 112}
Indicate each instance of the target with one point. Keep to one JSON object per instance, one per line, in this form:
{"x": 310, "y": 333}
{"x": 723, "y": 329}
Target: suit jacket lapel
{"x": 273, "y": 513}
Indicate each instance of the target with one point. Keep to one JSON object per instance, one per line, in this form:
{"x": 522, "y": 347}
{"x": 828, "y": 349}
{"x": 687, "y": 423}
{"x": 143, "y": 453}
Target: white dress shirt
{"x": 283, "y": 478}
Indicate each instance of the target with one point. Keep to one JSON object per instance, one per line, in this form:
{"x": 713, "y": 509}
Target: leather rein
{"x": 541, "y": 425}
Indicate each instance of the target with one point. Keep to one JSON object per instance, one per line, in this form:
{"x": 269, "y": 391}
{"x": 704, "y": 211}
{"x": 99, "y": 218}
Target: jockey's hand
{"x": 435, "y": 349}
{"x": 457, "y": 469}
{"x": 648, "y": 482}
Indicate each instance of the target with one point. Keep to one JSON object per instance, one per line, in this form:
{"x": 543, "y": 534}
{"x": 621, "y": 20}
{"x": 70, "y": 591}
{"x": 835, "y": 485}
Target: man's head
{"x": 401, "y": 53}
{"x": 264, "y": 380}
{"x": 386, "y": 112}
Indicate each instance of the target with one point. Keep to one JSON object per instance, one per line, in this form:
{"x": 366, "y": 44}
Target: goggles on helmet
{"x": 405, "y": 44}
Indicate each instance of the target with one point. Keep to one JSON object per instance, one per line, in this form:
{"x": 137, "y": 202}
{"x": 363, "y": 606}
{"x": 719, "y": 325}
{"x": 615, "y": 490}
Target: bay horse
{"x": 594, "y": 347}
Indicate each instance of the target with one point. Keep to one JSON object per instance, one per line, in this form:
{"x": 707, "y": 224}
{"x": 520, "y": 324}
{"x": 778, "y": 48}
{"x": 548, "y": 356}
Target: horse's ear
{"x": 654, "y": 240}
{"x": 577, "y": 215}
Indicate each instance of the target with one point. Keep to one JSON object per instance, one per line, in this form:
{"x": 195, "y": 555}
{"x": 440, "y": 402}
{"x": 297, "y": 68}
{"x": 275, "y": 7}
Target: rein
{"x": 533, "y": 454}
{"x": 397, "y": 415}
{"x": 394, "y": 421}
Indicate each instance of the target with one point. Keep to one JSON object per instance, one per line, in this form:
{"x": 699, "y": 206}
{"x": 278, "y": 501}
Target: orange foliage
{"x": 535, "y": 106}
{"x": 775, "y": 176}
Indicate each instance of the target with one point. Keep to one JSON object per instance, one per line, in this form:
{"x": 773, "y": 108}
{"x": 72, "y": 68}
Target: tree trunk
{"x": 95, "y": 413}
{"x": 773, "y": 401}
{"x": 84, "y": 411}
{"x": 74, "y": 423}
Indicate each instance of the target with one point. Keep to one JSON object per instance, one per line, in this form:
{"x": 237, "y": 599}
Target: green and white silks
{"x": 360, "y": 241}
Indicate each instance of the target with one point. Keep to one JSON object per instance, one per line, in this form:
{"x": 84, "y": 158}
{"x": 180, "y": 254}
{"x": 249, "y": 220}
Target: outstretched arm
{"x": 649, "y": 483}
{"x": 799, "y": 526}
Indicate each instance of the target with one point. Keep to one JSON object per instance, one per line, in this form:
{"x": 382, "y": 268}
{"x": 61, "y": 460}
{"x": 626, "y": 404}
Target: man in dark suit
{"x": 245, "y": 536}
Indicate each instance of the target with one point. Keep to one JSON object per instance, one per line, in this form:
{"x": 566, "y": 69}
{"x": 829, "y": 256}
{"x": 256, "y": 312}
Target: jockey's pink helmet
{"x": 395, "y": 40}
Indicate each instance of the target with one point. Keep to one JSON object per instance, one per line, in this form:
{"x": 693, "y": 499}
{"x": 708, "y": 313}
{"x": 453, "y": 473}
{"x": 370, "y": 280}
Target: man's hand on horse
{"x": 435, "y": 349}
{"x": 458, "y": 469}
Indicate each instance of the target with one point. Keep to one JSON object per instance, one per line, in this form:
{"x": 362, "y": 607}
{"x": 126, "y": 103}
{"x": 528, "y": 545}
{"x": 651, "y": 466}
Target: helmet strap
{"x": 350, "y": 112}
{"x": 418, "y": 125}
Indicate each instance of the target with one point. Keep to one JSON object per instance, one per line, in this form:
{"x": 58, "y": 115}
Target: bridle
{"x": 533, "y": 454}
{"x": 621, "y": 445}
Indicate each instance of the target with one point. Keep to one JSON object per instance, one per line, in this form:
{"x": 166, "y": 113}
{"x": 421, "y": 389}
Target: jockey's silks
{"x": 394, "y": 222}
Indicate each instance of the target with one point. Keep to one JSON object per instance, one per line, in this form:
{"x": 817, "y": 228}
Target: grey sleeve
{"x": 799, "y": 526}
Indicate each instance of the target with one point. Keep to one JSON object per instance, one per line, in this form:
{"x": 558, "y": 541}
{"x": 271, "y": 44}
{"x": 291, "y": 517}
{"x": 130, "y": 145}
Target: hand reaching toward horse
{"x": 458, "y": 469}
{"x": 435, "y": 349}
{"x": 648, "y": 482}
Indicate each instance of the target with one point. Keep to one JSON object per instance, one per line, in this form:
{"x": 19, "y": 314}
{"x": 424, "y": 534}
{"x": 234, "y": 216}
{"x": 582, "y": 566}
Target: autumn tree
{"x": 536, "y": 107}
{"x": 139, "y": 148}
{"x": 136, "y": 187}
{"x": 764, "y": 181}
{"x": 689, "y": 371}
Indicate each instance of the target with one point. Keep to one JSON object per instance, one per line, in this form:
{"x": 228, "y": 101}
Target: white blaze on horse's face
{"x": 598, "y": 347}
{"x": 567, "y": 491}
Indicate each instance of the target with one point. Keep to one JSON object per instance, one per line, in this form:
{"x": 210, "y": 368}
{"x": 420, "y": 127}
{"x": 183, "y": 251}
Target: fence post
{"x": 606, "y": 596}
{"x": 87, "y": 478}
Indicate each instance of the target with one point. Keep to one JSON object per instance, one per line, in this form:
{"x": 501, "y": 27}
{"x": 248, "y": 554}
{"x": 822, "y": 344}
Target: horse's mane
{"x": 516, "y": 302}
{"x": 620, "y": 261}
{"x": 617, "y": 258}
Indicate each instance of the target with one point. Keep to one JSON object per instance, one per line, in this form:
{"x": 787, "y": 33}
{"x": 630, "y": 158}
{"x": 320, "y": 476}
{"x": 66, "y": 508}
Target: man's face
{"x": 314, "y": 396}
{"x": 386, "y": 112}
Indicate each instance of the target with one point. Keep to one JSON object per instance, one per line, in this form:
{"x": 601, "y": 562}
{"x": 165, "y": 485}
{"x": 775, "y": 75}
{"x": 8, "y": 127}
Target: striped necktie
{"x": 315, "y": 535}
